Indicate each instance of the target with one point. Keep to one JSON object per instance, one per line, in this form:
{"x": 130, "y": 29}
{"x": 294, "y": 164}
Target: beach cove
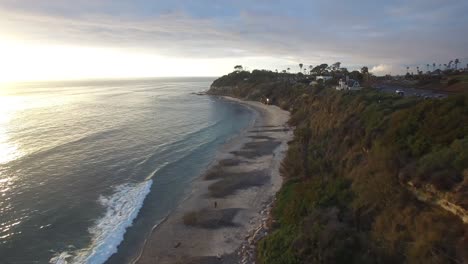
{"x": 228, "y": 206}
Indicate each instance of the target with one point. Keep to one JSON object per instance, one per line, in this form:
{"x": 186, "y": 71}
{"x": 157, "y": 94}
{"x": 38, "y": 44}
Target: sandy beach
{"x": 227, "y": 207}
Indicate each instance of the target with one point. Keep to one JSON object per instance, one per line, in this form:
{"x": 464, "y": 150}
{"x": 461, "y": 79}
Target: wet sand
{"x": 227, "y": 207}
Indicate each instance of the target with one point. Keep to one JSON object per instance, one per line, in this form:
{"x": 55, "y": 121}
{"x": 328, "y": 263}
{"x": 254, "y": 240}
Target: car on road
{"x": 400, "y": 92}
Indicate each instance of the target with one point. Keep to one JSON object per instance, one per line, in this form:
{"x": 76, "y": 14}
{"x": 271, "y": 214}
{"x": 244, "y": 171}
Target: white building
{"x": 324, "y": 78}
{"x": 349, "y": 84}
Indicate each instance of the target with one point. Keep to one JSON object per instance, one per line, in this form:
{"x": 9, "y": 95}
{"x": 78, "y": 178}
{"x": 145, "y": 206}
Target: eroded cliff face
{"x": 429, "y": 194}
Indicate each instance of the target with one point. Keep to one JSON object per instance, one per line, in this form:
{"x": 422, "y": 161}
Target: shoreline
{"x": 226, "y": 205}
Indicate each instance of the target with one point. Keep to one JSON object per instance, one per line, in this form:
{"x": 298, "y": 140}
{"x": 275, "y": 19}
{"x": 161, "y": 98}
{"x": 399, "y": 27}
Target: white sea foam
{"x": 122, "y": 208}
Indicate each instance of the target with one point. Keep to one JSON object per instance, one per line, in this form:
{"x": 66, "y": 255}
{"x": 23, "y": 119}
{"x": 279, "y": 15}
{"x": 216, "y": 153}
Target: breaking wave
{"x": 107, "y": 233}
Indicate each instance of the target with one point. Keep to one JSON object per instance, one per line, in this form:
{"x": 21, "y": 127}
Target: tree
{"x": 336, "y": 66}
{"x": 238, "y": 68}
{"x": 355, "y": 75}
{"x": 433, "y": 65}
{"x": 456, "y": 63}
{"x": 407, "y": 69}
{"x": 320, "y": 69}
{"x": 300, "y": 66}
{"x": 427, "y": 65}
{"x": 310, "y": 69}
{"x": 365, "y": 73}
{"x": 288, "y": 69}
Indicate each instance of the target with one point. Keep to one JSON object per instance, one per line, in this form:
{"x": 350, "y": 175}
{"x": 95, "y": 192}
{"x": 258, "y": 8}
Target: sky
{"x": 75, "y": 39}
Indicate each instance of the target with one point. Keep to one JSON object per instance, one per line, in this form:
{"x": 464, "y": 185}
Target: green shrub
{"x": 277, "y": 248}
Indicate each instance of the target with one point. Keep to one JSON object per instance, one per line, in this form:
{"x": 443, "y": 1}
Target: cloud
{"x": 365, "y": 33}
{"x": 383, "y": 69}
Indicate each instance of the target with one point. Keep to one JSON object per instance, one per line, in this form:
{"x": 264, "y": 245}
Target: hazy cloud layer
{"x": 381, "y": 34}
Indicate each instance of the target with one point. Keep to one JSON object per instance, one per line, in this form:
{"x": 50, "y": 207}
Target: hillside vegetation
{"x": 365, "y": 174}
{"x": 453, "y": 83}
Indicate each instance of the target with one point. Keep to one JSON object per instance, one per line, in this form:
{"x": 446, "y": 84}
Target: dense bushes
{"x": 313, "y": 220}
{"x": 345, "y": 198}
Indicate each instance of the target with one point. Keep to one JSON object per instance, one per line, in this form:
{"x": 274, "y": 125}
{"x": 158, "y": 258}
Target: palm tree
{"x": 417, "y": 68}
{"x": 456, "y": 63}
{"x": 407, "y": 69}
{"x": 300, "y": 66}
{"x": 288, "y": 69}
{"x": 450, "y": 64}
{"x": 433, "y": 66}
{"x": 427, "y": 65}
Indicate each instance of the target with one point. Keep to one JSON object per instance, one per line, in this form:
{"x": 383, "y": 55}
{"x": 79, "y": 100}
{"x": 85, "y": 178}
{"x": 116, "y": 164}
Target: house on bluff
{"x": 348, "y": 84}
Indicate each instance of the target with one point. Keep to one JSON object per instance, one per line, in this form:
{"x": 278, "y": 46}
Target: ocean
{"x": 88, "y": 168}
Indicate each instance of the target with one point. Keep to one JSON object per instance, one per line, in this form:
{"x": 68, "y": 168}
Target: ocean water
{"x": 88, "y": 168}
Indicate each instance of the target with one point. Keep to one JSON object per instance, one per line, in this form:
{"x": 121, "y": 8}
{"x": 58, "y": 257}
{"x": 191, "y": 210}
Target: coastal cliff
{"x": 363, "y": 174}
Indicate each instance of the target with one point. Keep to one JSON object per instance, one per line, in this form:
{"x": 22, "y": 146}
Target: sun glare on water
{"x": 21, "y": 103}
{"x": 8, "y": 150}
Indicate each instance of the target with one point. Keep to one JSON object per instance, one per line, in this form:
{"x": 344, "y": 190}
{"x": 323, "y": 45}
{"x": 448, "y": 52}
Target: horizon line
{"x": 102, "y": 79}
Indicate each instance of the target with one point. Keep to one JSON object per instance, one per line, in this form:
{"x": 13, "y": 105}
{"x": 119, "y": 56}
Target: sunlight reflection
{"x": 8, "y": 106}
{"x": 16, "y": 100}
{"x": 5, "y": 185}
